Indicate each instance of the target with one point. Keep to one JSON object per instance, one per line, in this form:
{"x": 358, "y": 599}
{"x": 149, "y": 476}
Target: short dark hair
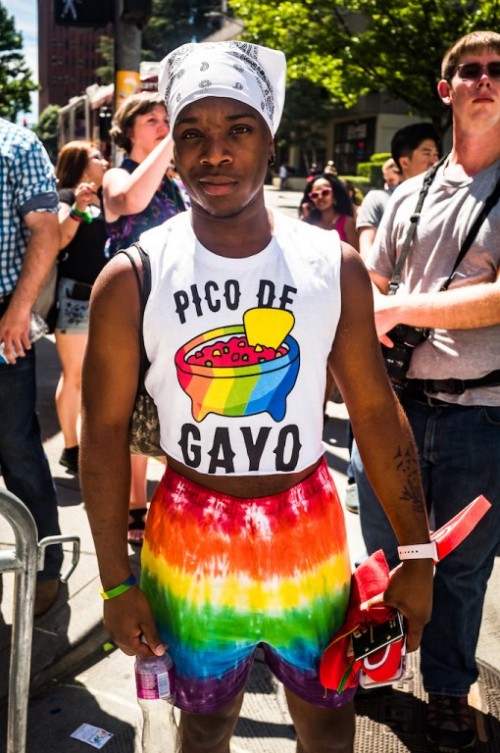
{"x": 407, "y": 139}
{"x": 124, "y": 118}
{"x": 476, "y": 41}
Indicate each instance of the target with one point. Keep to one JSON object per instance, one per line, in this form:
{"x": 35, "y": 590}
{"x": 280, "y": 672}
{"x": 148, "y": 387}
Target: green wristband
{"x": 118, "y": 590}
{"x": 81, "y": 215}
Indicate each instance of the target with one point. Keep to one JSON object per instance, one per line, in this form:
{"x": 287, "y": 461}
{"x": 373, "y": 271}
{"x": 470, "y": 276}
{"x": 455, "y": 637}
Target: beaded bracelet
{"x": 118, "y": 590}
{"x": 74, "y": 216}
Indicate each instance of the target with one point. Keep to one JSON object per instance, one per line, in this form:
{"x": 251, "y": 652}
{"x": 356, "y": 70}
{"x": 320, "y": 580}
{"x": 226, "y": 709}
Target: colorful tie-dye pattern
{"x": 225, "y": 574}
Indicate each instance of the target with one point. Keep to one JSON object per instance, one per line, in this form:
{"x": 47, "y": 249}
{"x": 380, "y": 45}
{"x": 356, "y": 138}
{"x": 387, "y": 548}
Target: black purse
{"x": 144, "y": 436}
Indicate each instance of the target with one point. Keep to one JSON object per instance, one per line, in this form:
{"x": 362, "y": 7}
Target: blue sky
{"x": 25, "y": 13}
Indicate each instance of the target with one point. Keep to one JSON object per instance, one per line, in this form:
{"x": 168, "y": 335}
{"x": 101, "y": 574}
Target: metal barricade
{"x": 27, "y": 557}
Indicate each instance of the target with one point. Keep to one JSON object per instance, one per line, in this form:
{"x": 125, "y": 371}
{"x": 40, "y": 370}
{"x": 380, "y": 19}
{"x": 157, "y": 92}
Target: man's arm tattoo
{"x": 408, "y": 467}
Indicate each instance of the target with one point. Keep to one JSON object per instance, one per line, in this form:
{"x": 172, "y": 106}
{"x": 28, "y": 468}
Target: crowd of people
{"x": 244, "y": 542}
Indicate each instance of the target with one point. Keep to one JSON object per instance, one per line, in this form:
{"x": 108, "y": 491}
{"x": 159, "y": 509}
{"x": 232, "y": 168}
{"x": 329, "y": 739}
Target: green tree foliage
{"x": 174, "y": 22}
{"x": 15, "y": 77}
{"x": 47, "y": 130}
{"x": 106, "y": 72}
{"x": 363, "y": 46}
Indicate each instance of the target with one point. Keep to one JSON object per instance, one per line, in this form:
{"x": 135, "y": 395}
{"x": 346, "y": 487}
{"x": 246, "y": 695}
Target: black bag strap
{"x": 144, "y": 287}
{"x": 482, "y": 215}
{"x": 429, "y": 176}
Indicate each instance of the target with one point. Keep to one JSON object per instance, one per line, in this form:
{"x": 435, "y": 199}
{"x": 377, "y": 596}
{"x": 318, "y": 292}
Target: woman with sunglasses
{"x": 139, "y": 195}
{"x": 326, "y": 204}
{"x": 80, "y": 170}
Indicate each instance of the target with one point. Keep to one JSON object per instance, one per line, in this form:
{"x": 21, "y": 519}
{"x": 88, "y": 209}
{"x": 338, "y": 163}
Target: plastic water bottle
{"x": 155, "y": 684}
{"x": 38, "y": 328}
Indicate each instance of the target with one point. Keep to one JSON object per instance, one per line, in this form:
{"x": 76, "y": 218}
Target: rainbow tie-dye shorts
{"x": 227, "y": 574}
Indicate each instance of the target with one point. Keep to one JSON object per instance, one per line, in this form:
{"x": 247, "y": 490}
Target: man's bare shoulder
{"x": 119, "y": 271}
{"x": 352, "y": 270}
{"x": 115, "y": 294}
{"x": 112, "y": 354}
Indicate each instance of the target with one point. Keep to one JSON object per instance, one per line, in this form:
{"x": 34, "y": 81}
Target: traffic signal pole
{"x": 128, "y": 38}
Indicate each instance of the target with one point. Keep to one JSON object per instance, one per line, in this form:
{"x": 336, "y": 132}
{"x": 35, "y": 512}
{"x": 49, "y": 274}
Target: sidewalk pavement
{"x": 78, "y": 677}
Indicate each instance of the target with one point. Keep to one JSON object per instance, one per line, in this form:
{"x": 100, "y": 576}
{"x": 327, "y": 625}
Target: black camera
{"x": 397, "y": 359}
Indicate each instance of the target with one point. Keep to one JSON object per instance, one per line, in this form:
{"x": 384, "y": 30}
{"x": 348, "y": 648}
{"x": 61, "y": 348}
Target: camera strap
{"x": 429, "y": 176}
{"x": 488, "y": 205}
{"x": 482, "y": 215}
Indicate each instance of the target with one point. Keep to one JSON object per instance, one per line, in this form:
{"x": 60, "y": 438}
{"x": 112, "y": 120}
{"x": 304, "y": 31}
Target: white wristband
{"x": 418, "y": 551}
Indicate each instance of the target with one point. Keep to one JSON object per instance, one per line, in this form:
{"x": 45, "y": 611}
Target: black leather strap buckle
{"x": 450, "y": 386}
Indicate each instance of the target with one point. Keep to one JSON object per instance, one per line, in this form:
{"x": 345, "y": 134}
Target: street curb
{"x": 72, "y": 627}
{"x": 70, "y": 659}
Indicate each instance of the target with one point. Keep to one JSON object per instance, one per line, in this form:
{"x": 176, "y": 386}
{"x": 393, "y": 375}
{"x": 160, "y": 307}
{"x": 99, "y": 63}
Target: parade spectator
{"x": 283, "y": 176}
{"x": 326, "y": 204}
{"x": 137, "y": 196}
{"x": 80, "y": 169}
{"x": 452, "y": 398}
{"x": 29, "y": 235}
{"x": 355, "y": 195}
{"x": 313, "y": 173}
{"x": 391, "y": 174}
{"x": 245, "y": 542}
{"x": 414, "y": 149}
{"x": 331, "y": 168}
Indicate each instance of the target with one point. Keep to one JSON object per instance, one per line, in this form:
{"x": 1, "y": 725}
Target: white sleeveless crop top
{"x": 231, "y": 400}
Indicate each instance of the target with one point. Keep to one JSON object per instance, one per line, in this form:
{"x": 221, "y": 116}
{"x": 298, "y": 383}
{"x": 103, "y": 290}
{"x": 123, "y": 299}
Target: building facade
{"x": 67, "y": 57}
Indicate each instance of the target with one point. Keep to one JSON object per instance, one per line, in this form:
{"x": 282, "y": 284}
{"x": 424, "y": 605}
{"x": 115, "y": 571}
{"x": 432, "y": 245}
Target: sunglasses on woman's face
{"x": 320, "y": 194}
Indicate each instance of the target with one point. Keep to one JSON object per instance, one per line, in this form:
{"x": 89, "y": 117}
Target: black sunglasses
{"x": 473, "y": 71}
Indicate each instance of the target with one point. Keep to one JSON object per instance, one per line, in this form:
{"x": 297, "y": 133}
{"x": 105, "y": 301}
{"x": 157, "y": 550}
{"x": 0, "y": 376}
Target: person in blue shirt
{"x": 29, "y": 242}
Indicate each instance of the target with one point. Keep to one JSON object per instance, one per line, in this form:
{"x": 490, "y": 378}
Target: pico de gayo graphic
{"x": 241, "y": 369}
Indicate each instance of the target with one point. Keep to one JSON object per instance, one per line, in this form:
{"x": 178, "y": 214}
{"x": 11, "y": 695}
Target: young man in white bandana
{"x": 245, "y": 543}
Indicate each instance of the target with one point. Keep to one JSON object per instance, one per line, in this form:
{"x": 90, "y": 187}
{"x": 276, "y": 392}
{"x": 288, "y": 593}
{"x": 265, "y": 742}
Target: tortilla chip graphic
{"x": 268, "y": 327}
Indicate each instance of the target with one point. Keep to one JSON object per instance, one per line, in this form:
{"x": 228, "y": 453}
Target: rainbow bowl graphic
{"x": 237, "y": 391}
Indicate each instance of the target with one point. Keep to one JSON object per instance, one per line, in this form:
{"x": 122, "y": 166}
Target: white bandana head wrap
{"x": 239, "y": 70}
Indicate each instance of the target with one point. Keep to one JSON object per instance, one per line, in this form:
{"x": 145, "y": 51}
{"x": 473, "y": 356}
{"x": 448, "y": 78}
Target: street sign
{"x": 83, "y": 12}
